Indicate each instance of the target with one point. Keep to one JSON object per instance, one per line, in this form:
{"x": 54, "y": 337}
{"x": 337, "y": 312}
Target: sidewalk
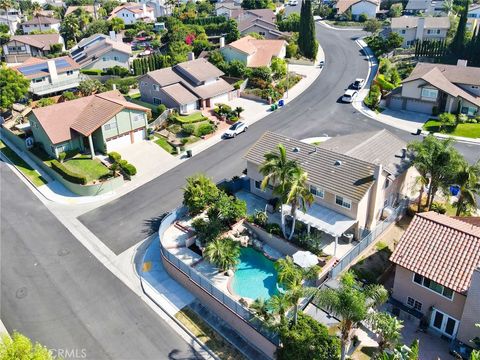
{"x": 3, "y": 329}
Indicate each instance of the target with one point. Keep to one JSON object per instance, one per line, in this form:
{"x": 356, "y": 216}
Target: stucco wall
{"x": 471, "y": 312}
{"x": 124, "y": 122}
{"x": 364, "y": 7}
{"x": 231, "y": 54}
{"x": 109, "y": 61}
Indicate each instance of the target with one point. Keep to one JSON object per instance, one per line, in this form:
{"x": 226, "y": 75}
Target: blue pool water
{"x": 255, "y": 276}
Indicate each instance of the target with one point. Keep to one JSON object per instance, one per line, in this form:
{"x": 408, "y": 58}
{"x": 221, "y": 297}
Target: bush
{"x": 274, "y": 229}
{"x": 291, "y": 50}
{"x": 435, "y": 111}
{"x": 161, "y": 108}
{"x": 67, "y": 174}
{"x": 68, "y": 95}
{"x": 260, "y": 218}
{"x": 447, "y": 120}
{"x": 188, "y": 129}
{"x": 45, "y": 102}
{"x": 199, "y": 193}
{"x": 92, "y": 72}
{"x": 373, "y": 98}
{"x": 129, "y": 169}
{"x": 118, "y": 70}
{"x": 62, "y": 156}
{"x": 204, "y": 129}
{"x": 362, "y": 17}
{"x": 439, "y": 208}
{"x": 114, "y": 156}
{"x": 462, "y": 118}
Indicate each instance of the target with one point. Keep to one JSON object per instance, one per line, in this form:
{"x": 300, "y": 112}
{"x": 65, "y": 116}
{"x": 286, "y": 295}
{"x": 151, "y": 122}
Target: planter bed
{"x": 463, "y": 130}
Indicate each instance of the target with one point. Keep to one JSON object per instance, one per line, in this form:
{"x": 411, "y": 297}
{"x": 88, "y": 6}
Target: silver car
{"x": 349, "y": 96}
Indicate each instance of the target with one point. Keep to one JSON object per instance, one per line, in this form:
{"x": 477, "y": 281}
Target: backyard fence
{"x": 348, "y": 258}
{"x": 160, "y": 120}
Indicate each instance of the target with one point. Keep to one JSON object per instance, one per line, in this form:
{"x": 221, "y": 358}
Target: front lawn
{"x": 464, "y": 130}
{"x": 165, "y": 145}
{"x": 21, "y": 165}
{"x": 192, "y": 118}
{"x": 93, "y": 169}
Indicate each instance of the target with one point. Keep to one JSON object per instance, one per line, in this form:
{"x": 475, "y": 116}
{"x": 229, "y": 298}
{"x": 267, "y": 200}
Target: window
{"x": 404, "y": 31}
{"x": 387, "y": 183}
{"x": 156, "y": 87}
{"x": 438, "y": 32}
{"x": 105, "y": 58}
{"x": 316, "y": 191}
{"x": 157, "y": 101}
{"x": 115, "y": 58}
{"x": 341, "y": 201}
{"x": 262, "y": 33}
{"x": 110, "y": 126}
{"x": 429, "y": 31}
{"x": 70, "y": 72}
{"x": 432, "y": 285}
{"x": 429, "y": 93}
{"x": 414, "y": 304}
{"x": 468, "y": 110}
{"x": 138, "y": 118}
{"x": 258, "y": 185}
{"x": 37, "y": 80}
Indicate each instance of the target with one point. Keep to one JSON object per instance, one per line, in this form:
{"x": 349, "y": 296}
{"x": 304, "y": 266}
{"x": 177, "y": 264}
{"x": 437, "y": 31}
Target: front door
{"x": 444, "y": 323}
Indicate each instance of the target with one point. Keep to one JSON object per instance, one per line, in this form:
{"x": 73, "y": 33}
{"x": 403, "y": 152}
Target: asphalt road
{"x": 127, "y": 220}
{"x": 54, "y": 291}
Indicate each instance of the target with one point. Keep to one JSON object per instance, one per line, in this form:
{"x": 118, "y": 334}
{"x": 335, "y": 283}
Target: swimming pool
{"x": 255, "y": 276}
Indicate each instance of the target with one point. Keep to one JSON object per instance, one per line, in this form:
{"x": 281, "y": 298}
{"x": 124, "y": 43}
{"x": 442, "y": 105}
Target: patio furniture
{"x": 305, "y": 259}
{"x": 348, "y": 237}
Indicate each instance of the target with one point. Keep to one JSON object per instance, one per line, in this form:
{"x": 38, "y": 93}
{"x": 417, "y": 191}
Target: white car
{"x": 235, "y": 129}
{"x": 349, "y": 96}
{"x": 358, "y": 83}
{"x": 293, "y": 2}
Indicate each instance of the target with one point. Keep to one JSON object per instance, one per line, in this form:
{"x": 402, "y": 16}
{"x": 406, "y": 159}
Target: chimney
{"x": 462, "y": 63}
{"x": 144, "y": 9}
{"x": 52, "y": 70}
{"x": 114, "y": 86}
{"x": 420, "y": 28}
{"x": 222, "y": 42}
{"x": 190, "y": 56}
{"x": 113, "y": 35}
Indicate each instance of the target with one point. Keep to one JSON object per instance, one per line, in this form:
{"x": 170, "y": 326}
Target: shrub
{"x": 122, "y": 163}
{"x": 92, "y": 72}
{"x": 237, "y": 85}
{"x": 262, "y": 72}
{"x": 362, "y": 17}
{"x": 188, "y": 129}
{"x": 199, "y": 193}
{"x": 67, "y": 174}
{"x": 462, "y": 118}
{"x": 260, "y": 218}
{"x": 114, "y": 156}
{"x": 129, "y": 169}
{"x": 373, "y": 98}
{"x": 435, "y": 111}
{"x": 439, "y": 208}
{"x": 45, "y": 102}
{"x": 161, "y": 108}
{"x": 291, "y": 50}
{"x": 68, "y": 95}
{"x": 62, "y": 156}
{"x": 274, "y": 229}
{"x": 204, "y": 129}
{"x": 447, "y": 120}
{"x": 118, "y": 70}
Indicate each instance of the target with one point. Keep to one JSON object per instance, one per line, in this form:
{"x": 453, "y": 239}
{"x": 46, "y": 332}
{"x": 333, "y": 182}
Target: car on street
{"x": 349, "y": 96}
{"x": 358, "y": 83}
{"x": 293, "y": 2}
{"x": 235, "y": 129}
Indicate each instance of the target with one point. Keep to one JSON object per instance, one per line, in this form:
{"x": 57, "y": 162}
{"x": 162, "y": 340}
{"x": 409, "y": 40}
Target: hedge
{"x": 67, "y": 174}
{"x": 129, "y": 169}
{"x": 91, "y": 71}
{"x": 114, "y": 156}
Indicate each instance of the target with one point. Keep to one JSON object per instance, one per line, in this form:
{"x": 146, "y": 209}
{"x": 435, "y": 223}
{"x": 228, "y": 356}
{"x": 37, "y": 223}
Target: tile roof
{"x": 93, "y": 52}
{"x": 441, "y": 248}
{"x": 376, "y": 147}
{"x": 417, "y": 5}
{"x": 72, "y": 65}
{"x": 164, "y": 77}
{"x": 406, "y": 22}
{"x": 41, "y": 20}
{"x": 454, "y": 73}
{"x": 180, "y": 94}
{"x": 40, "y": 41}
{"x": 88, "y": 8}
{"x": 199, "y": 69}
{"x": 83, "y": 115}
{"x": 132, "y": 7}
{"x": 260, "y": 51}
{"x": 352, "y": 178}
{"x": 344, "y": 5}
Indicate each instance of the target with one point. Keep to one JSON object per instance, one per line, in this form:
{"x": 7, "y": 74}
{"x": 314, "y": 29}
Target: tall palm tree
{"x": 261, "y": 310}
{"x": 279, "y": 304}
{"x": 70, "y": 28}
{"x": 422, "y": 181}
{"x": 448, "y": 7}
{"x": 468, "y": 179}
{"x": 287, "y": 270}
{"x": 223, "y": 253}
{"x": 388, "y": 329}
{"x": 351, "y": 305}
{"x": 36, "y": 8}
{"x": 7, "y": 5}
{"x": 299, "y": 195}
{"x": 117, "y": 24}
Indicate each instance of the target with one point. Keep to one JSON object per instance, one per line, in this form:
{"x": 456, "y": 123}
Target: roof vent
{"x": 338, "y": 163}
{"x": 296, "y": 149}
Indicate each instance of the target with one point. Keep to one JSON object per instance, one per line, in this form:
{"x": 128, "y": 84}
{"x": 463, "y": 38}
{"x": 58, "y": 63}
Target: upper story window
{"x": 343, "y": 202}
{"x": 316, "y": 191}
{"x": 404, "y": 31}
{"x": 438, "y": 32}
{"x": 138, "y": 117}
{"x": 70, "y": 72}
{"x": 429, "y": 93}
{"x": 110, "y": 126}
{"x": 156, "y": 87}
{"x": 434, "y": 286}
{"x": 387, "y": 183}
{"x": 37, "y": 80}
{"x": 115, "y": 58}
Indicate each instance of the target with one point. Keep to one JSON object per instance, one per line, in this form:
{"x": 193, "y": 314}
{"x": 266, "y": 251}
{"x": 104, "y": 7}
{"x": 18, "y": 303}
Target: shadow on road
{"x": 151, "y": 226}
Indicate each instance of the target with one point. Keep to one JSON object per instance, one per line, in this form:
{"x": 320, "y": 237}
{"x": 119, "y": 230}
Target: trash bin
{"x": 276, "y": 106}
{"x": 272, "y": 107}
{"x": 281, "y": 102}
{"x": 189, "y": 153}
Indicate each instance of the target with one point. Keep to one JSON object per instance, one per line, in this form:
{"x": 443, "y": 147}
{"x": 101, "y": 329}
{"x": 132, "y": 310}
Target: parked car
{"x": 293, "y": 2}
{"x": 358, "y": 83}
{"x": 349, "y": 96}
{"x": 235, "y": 129}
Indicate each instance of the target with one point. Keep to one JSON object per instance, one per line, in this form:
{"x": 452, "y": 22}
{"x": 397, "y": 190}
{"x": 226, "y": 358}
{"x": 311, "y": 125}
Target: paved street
{"x": 127, "y": 220}
{"x": 57, "y": 293}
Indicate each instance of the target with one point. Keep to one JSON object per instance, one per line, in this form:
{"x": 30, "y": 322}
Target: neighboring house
{"x": 160, "y": 7}
{"x": 41, "y": 23}
{"x": 187, "y": 86}
{"x": 50, "y": 76}
{"x": 437, "y": 274}
{"x": 355, "y": 179}
{"x": 261, "y": 21}
{"x": 22, "y": 47}
{"x": 425, "y": 7}
{"x": 102, "y": 122}
{"x": 358, "y": 7}
{"x": 226, "y": 8}
{"x": 473, "y": 17}
{"x": 11, "y": 18}
{"x": 413, "y": 28}
{"x": 88, "y": 8}
{"x": 102, "y": 52}
{"x": 447, "y": 88}
{"x": 130, "y": 13}
{"x": 253, "y": 52}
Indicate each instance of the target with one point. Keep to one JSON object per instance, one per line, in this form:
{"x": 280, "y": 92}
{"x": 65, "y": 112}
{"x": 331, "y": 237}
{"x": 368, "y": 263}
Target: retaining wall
{"x": 275, "y": 242}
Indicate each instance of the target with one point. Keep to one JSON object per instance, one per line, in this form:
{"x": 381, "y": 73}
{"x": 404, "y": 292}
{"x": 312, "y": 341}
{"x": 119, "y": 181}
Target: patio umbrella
{"x": 305, "y": 259}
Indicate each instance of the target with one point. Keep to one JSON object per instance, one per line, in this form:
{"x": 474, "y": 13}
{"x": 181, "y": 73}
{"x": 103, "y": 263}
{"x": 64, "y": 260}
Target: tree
{"x": 372, "y": 26}
{"x": 90, "y": 87}
{"x": 291, "y": 23}
{"x": 6, "y": 5}
{"x": 14, "y": 87}
{"x": 396, "y": 10}
{"x": 307, "y": 340}
{"x": 388, "y": 329}
{"x": 351, "y": 304}
{"x": 19, "y": 347}
{"x": 178, "y": 51}
{"x": 199, "y": 193}
{"x": 237, "y": 68}
{"x": 279, "y": 304}
{"x": 223, "y": 253}
{"x": 279, "y": 68}
{"x": 109, "y": 5}
{"x": 99, "y": 26}
{"x": 232, "y": 32}
{"x": 261, "y": 310}
{"x": 238, "y": 110}
{"x": 468, "y": 179}
{"x": 448, "y": 6}
{"x": 227, "y": 209}
{"x": 447, "y": 120}
{"x": 69, "y": 28}
{"x": 458, "y": 43}
{"x": 117, "y": 24}
{"x": 307, "y": 43}
{"x": 394, "y": 41}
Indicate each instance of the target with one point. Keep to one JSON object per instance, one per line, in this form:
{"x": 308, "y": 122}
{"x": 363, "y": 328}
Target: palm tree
{"x": 299, "y": 195}
{"x": 351, "y": 305}
{"x": 421, "y": 180}
{"x": 388, "y": 328}
{"x": 287, "y": 270}
{"x": 238, "y": 110}
{"x": 7, "y": 5}
{"x": 83, "y": 17}
{"x": 261, "y": 310}
{"x": 70, "y": 28}
{"x": 448, "y": 7}
{"x": 279, "y": 304}
{"x": 223, "y": 253}
{"x": 117, "y": 24}
{"x": 468, "y": 179}
{"x": 295, "y": 292}
{"x": 36, "y": 8}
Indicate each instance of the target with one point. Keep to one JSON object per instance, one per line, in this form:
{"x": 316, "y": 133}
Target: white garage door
{"x": 220, "y": 99}
{"x": 118, "y": 142}
{"x": 139, "y": 135}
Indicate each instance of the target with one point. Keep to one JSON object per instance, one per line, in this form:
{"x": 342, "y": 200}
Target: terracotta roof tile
{"x": 431, "y": 22}
{"x": 260, "y": 51}
{"x": 40, "y": 41}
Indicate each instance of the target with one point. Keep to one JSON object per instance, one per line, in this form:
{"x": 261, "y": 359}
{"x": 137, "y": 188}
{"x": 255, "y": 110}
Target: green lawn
{"x": 93, "y": 169}
{"x": 163, "y": 143}
{"x": 152, "y": 107}
{"x": 21, "y": 165}
{"x": 464, "y": 130}
{"x": 192, "y": 118}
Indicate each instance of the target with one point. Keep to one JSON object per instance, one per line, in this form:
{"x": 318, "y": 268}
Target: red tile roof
{"x": 441, "y": 248}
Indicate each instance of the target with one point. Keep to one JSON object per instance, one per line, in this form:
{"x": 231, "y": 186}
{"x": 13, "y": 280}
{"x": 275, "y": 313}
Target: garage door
{"x": 118, "y": 142}
{"x": 419, "y": 106}
{"x": 139, "y": 135}
{"x": 395, "y": 103}
{"x": 220, "y": 99}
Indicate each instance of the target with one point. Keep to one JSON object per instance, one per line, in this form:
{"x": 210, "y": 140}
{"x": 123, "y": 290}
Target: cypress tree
{"x": 307, "y": 43}
{"x": 458, "y": 43}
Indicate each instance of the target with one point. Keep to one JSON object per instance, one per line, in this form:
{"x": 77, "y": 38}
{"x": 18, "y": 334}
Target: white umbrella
{"x": 305, "y": 259}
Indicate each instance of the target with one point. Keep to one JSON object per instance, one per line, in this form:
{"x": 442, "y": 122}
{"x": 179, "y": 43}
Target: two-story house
{"x": 445, "y": 88}
{"x": 97, "y": 123}
{"x": 425, "y": 8}
{"x": 21, "y": 47}
{"x": 261, "y": 21}
{"x": 254, "y": 52}
{"x": 355, "y": 179}
{"x": 12, "y": 18}
{"x": 160, "y": 7}
{"x": 130, "y": 13}
{"x": 187, "y": 86}
{"x": 370, "y": 8}
{"x": 437, "y": 274}
{"x": 413, "y": 29}
{"x": 226, "y": 9}
{"x": 50, "y": 76}
{"x": 92, "y": 10}
{"x": 40, "y": 23}
{"x": 102, "y": 52}
{"x": 473, "y": 17}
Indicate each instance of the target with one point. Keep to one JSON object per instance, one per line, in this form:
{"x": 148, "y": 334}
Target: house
{"x": 102, "y": 52}
{"x": 261, "y": 21}
{"x": 358, "y": 7}
{"x": 187, "y": 86}
{"x": 473, "y": 17}
{"x": 160, "y": 7}
{"x": 22, "y": 47}
{"x": 253, "y": 52}
{"x": 440, "y": 87}
{"x": 130, "y": 13}
{"x": 355, "y": 179}
{"x": 102, "y": 122}
{"x": 413, "y": 28}
{"x": 87, "y": 8}
{"x": 40, "y": 23}
{"x": 226, "y": 8}
{"x": 437, "y": 274}
{"x": 50, "y": 76}
{"x": 425, "y": 8}
{"x": 12, "y": 18}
